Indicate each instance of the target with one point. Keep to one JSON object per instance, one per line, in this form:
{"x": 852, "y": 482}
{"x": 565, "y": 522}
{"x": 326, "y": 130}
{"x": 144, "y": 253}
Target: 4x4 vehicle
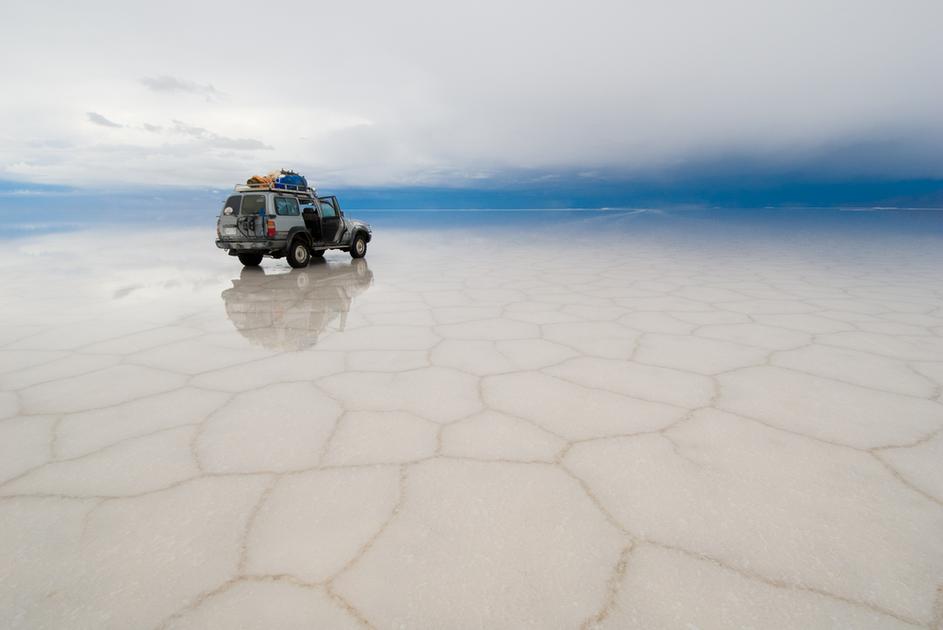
{"x": 297, "y": 224}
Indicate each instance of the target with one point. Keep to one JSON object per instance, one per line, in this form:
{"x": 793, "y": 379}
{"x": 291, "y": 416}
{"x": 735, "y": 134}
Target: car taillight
{"x": 270, "y": 228}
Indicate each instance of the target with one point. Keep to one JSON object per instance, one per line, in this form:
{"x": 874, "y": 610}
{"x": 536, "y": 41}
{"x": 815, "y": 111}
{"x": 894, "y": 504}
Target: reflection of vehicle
{"x": 290, "y": 310}
{"x": 262, "y": 221}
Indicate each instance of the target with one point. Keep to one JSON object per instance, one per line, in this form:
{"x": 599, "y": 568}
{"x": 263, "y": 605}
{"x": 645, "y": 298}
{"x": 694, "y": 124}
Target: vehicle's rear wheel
{"x": 298, "y": 254}
{"x": 358, "y": 249}
{"x": 250, "y": 260}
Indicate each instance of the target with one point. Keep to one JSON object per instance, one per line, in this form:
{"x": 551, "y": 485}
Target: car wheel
{"x": 298, "y": 254}
{"x": 358, "y": 249}
{"x": 250, "y": 260}
{"x": 318, "y": 254}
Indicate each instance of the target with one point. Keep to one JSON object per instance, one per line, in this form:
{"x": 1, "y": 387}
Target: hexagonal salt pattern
{"x": 628, "y": 431}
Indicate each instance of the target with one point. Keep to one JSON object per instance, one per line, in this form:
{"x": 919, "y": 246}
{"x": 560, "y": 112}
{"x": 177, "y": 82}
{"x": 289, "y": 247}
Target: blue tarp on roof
{"x": 291, "y": 181}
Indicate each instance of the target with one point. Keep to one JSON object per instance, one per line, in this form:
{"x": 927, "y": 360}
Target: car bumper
{"x": 251, "y": 246}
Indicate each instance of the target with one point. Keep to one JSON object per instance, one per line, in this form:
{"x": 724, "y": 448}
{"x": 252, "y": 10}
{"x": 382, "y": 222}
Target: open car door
{"x": 330, "y": 219}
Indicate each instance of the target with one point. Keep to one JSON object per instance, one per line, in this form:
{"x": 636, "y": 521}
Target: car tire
{"x": 250, "y": 260}
{"x": 298, "y": 254}
{"x": 318, "y": 254}
{"x": 358, "y": 249}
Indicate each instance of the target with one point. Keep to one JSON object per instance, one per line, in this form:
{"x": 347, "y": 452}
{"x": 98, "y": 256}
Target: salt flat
{"x": 614, "y": 420}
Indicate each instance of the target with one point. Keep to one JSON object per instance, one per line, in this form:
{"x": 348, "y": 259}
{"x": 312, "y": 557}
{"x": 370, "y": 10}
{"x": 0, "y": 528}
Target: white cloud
{"x": 430, "y": 92}
{"x": 214, "y": 140}
{"x": 98, "y": 119}
{"x": 166, "y": 83}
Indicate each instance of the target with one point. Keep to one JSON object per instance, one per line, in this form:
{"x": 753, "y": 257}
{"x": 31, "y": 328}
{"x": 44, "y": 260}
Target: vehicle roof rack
{"x": 276, "y": 187}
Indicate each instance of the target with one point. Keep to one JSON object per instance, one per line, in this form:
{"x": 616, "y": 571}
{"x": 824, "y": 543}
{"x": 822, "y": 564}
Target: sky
{"x": 492, "y": 94}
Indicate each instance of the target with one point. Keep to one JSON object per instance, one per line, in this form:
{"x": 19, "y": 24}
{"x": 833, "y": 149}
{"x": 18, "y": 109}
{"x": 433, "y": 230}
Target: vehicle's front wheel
{"x": 358, "y": 249}
{"x": 250, "y": 260}
{"x": 318, "y": 254}
{"x": 298, "y": 254}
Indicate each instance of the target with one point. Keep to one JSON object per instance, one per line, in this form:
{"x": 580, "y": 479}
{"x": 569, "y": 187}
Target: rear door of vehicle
{"x": 330, "y": 219}
{"x": 228, "y": 215}
{"x": 243, "y": 217}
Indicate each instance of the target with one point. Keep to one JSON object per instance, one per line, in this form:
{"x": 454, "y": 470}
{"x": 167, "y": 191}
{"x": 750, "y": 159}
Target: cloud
{"x": 239, "y": 144}
{"x": 206, "y": 137}
{"x": 98, "y": 119}
{"x": 167, "y": 83}
{"x": 215, "y": 140}
{"x": 432, "y": 93}
{"x": 191, "y": 130}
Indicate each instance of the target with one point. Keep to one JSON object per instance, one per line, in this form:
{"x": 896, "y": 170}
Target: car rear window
{"x": 233, "y": 202}
{"x": 251, "y": 204}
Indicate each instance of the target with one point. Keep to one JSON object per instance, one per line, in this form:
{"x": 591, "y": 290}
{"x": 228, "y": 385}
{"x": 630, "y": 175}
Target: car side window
{"x": 327, "y": 209}
{"x": 286, "y": 206}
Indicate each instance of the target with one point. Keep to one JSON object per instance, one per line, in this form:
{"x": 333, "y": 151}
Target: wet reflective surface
{"x": 289, "y": 311}
{"x": 640, "y": 420}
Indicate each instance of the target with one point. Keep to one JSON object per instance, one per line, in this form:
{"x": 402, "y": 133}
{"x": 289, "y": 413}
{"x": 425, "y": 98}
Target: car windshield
{"x": 252, "y": 204}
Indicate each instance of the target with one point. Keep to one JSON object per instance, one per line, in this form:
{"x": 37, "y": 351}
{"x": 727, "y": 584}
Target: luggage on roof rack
{"x": 243, "y": 188}
{"x": 288, "y": 181}
{"x": 291, "y": 180}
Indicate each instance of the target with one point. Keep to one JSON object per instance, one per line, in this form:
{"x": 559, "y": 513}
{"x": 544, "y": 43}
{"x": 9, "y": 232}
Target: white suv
{"x": 256, "y": 222}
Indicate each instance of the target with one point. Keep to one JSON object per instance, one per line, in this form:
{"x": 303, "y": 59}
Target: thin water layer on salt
{"x": 624, "y": 420}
